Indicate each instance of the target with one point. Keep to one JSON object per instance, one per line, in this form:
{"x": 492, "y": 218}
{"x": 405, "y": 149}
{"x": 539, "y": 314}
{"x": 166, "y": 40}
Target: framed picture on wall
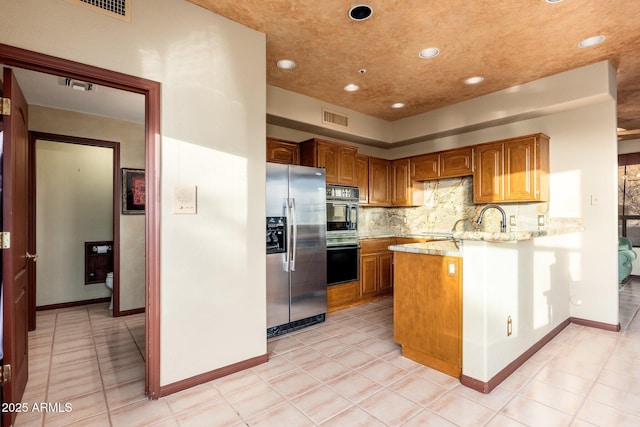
{"x": 133, "y": 191}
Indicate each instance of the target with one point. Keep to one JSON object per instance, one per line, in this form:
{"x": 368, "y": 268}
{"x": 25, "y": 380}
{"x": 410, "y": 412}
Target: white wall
{"x": 525, "y": 281}
{"x": 74, "y": 192}
{"x": 130, "y": 135}
{"x": 213, "y": 99}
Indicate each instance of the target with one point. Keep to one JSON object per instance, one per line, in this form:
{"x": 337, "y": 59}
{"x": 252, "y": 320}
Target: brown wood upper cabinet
{"x": 390, "y": 182}
{"x": 279, "y": 151}
{"x": 425, "y": 167}
{"x": 488, "y": 178}
{"x": 401, "y": 184}
{"x": 458, "y": 162}
{"x": 445, "y": 164}
{"x": 338, "y": 160}
{"x": 512, "y": 170}
{"x": 362, "y": 177}
{"x": 379, "y": 179}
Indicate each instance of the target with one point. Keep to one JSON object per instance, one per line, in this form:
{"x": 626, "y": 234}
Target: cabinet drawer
{"x": 369, "y": 246}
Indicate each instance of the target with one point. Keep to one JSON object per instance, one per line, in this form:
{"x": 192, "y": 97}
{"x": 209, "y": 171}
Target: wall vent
{"x": 115, "y": 8}
{"x": 334, "y": 118}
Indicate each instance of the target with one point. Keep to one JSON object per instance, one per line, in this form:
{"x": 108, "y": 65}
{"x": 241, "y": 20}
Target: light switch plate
{"x": 184, "y": 199}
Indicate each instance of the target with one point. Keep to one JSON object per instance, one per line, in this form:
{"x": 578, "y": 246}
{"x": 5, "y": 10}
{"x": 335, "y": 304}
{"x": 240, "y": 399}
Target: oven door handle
{"x": 353, "y": 225}
{"x": 341, "y": 248}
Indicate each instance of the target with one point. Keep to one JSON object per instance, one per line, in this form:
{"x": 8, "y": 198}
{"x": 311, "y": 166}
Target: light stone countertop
{"x": 517, "y": 235}
{"x": 438, "y": 247}
{"x": 556, "y": 227}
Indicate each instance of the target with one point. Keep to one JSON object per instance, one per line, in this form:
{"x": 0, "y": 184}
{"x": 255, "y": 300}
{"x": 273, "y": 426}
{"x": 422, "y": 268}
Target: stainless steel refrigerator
{"x": 296, "y": 247}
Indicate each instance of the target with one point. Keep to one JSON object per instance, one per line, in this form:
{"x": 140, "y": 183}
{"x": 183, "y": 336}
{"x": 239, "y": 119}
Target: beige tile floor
{"x": 344, "y": 372}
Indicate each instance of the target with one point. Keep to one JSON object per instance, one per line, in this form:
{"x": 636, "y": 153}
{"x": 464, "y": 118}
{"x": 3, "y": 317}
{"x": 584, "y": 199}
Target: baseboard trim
{"x": 597, "y": 325}
{"x": 129, "y": 312}
{"x": 72, "y": 304}
{"x": 488, "y": 386}
{"x": 168, "y": 389}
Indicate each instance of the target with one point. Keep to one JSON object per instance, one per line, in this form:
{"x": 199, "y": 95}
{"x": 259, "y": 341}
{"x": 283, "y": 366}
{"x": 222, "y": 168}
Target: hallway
{"x": 83, "y": 356}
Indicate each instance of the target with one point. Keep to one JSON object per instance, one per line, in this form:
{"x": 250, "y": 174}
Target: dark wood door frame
{"x": 13, "y": 56}
{"x": 67, "y": 139}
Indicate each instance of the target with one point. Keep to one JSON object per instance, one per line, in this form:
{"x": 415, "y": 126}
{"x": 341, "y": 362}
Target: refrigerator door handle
{"x": 294, "y": 226}
{"x": 287, "y": 254}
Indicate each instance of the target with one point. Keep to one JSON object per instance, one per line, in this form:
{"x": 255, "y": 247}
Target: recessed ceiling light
{"x": 286, "y": 64}
{"x": 360, "y": 12}
{"x": 553, "y": 1}
{"x": 591, "y": 41}
{"x": 398, "y": 105}
{"x": 429, "y": 52}
{"x": 474, "y": 80}
{"x": 351, "y": 87}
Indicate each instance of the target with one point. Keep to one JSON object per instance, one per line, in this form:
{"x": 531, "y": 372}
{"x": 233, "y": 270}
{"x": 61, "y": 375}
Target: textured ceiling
{"x": 508, "y": 43}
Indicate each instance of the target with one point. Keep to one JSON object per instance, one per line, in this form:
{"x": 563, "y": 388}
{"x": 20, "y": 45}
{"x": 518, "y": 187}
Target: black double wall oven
{"x": 343, "y": 251}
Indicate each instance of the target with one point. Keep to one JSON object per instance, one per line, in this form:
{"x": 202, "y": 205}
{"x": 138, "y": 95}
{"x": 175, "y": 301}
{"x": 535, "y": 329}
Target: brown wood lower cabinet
{"x": 427, "y": 310}
{"x": 376, "y": 267}
{"x": 376, "y": 274}
{"x": 342, "y": 295}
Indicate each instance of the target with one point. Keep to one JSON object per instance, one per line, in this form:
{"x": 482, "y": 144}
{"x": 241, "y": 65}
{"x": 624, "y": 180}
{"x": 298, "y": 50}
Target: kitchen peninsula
{"x": 513, "y": 299}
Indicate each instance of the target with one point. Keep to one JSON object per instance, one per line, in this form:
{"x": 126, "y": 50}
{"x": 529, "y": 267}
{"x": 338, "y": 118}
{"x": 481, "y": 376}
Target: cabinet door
{"x": 519, "y": 176}
{"x": 487, "y": 178}
{"x": 368, "y": 275}
{"x": 379, "y": 172}
{"x": 526, "y": 170}
{"x": 362, "y": 177}
{"x": 347, "y": 166}
{"x": 283, "y": 152}
{"x": 385, "y": 273}
{"x": 328, "y": 159}
{"x": 425, "y": 167}
{"x": 401, "y": 183}
{"x": 458, "y": 162}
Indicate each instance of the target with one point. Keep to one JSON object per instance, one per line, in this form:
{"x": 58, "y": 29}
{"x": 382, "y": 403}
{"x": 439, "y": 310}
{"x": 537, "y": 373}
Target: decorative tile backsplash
{"x": 445, "y": 202}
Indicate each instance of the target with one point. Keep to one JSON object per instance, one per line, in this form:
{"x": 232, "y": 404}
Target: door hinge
{"x": 5, "y": 106}
{"x": 5, "y": 240}
{"x": 5, "y": 374}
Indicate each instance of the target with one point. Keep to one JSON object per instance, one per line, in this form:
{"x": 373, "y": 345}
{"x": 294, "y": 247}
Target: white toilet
{"x": 109, "y": 283}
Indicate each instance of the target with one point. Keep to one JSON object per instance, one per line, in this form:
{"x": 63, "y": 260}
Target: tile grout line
{"x": 142, "y": 353}
{"x": 95, "y": 348}
{"x": 53, "y": 340}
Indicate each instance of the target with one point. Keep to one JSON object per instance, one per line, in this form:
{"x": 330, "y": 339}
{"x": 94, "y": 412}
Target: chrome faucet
{"x": 503, "y": 223}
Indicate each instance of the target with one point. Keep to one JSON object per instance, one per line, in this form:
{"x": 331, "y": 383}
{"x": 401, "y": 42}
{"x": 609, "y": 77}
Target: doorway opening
{"x": 73, "y": 178}
{"x": 16, "y": 57}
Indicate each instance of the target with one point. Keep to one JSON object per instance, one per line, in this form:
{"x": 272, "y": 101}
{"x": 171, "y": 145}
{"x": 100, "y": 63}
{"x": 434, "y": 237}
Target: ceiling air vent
{"x": 334, "y": 118}
{"x": 115, "y": 8}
